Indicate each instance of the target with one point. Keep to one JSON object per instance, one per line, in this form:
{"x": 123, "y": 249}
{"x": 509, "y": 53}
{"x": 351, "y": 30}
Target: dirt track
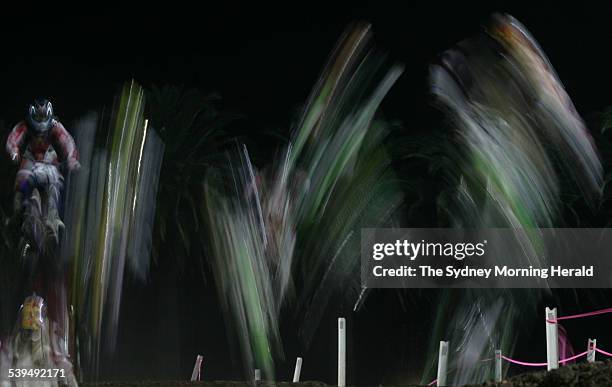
{"x": 179, "y": 383}
{"x": 598, "y": 374}
{"x": 210, "y": 384}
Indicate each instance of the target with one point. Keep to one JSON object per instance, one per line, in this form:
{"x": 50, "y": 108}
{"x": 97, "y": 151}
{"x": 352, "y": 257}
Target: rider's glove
{"x": 74, "y": 165}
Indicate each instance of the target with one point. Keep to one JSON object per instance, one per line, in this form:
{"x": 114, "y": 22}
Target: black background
{"x": 263, "y": 60}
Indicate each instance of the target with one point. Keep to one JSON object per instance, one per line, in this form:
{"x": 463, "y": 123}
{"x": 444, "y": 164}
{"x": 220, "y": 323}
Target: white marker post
{"x": 341, "y": 352}
{"x": 591, "y": 345}
{"x": 552, "y": 339}
{"x": 195, "y": 375}
{"x": 298, "y": 369}
{"x": 498, "y": 365}
{"x": 257, "y": 375}
{"x": 442, "y": 363}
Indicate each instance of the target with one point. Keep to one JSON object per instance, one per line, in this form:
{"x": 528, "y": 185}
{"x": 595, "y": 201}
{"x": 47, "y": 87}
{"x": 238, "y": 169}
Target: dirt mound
{"x": 598, "y": 374}
{"x": 184, "y": 383}
{"x": 180, "y": 383}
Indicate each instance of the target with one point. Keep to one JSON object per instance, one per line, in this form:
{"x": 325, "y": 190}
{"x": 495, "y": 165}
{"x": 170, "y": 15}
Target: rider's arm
{"x": 63, "y": 141}
{"x": 15, "y": 141}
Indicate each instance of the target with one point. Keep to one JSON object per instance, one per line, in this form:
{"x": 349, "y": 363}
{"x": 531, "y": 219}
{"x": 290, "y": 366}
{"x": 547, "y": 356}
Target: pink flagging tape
{"x": 603, "y": 352}
{"x": 524, "y": 363}
{"x": 433, "y": 382}
{"x": 587, "y": 314}
{"x": 573, "y": 357}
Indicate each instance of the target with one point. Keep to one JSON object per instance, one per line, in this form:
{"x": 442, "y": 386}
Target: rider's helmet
{"x": 33, "y": 312}
{"x": 40, "y": 116}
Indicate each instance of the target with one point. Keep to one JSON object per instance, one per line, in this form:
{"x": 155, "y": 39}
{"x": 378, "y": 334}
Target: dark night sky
{"x": 263, "y": 61}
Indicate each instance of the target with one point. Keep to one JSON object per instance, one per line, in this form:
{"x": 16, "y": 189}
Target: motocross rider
{"x": 34, "y": 145}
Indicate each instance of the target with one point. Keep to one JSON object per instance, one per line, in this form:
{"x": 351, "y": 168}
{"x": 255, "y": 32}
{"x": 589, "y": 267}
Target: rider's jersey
{"x": 42, "y": 148}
